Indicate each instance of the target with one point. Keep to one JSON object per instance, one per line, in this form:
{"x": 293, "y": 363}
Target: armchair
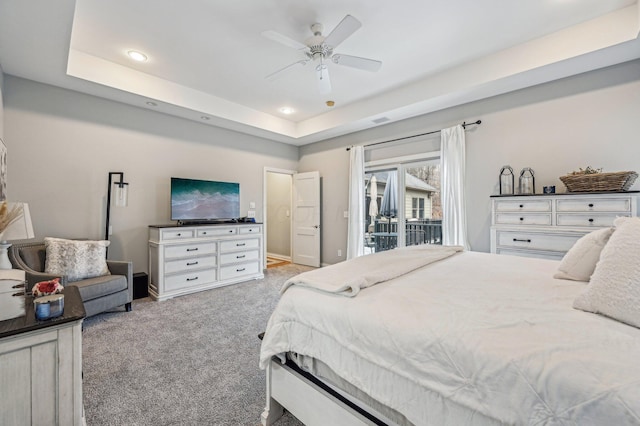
{"x": 99, "y": 294}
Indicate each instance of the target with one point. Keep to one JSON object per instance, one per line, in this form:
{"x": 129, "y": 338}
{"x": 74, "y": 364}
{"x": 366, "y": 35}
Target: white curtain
{"x": 452, "y": 169}
{"x": 355, "y": 240}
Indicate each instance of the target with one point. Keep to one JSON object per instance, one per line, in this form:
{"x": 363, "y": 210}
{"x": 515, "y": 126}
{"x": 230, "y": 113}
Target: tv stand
{"x": 205, "y": 222}
{"x": 186, "y": 259}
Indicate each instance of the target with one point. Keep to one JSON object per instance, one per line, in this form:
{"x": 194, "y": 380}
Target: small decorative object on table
{"x": 527, "y": 181}
{"x": 551, "y": 189}
{"x": 506, "y": 180}
{"x": 593, "y": 180}
{"x": 47, "y": 307}
{"x": 45, "y": 288}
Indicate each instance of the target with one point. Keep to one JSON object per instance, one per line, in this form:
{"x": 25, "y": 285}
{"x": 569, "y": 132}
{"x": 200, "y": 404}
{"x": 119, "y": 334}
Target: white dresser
{"x": 187, "y": 259}
{"x": 548, "y": 225}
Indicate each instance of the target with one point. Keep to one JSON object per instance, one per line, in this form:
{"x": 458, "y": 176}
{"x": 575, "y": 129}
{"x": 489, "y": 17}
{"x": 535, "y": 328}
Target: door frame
{"x": 264, "y": 208}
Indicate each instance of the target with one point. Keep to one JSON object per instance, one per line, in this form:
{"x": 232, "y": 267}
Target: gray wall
{"x": 589, "y": 119}
{"x": 1, "y": 104}
{"x": 279, "y": 187}
{"x": 62, "y": 145}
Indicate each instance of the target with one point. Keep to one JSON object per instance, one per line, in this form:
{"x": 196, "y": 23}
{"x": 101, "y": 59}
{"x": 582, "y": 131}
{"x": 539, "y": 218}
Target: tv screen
{"x": 193, "y": 200}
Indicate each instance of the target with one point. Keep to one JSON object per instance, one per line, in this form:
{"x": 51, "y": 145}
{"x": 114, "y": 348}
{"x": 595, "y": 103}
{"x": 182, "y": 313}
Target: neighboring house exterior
{"x": 418, "y": 196}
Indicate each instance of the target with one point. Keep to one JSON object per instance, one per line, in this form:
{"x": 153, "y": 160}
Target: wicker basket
{"x": 617, "y": 181}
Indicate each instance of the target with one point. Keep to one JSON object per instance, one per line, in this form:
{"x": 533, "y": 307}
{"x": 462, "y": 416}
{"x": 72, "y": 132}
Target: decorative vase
{"x": 506, "y": 180}
{"x": 527, "y": 181}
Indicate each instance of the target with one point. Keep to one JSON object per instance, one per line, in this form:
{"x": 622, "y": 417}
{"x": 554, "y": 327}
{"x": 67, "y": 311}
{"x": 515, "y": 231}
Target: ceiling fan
{"x": 319, "y": 48}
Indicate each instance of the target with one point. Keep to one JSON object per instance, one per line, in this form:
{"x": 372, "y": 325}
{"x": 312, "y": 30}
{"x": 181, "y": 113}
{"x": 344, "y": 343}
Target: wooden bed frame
{"x": 312, "y": 401}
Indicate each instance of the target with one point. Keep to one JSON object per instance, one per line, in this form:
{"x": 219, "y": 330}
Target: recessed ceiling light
{"x": 152, "y": 103}
{"x": 287, "y": 110}
{"x": 137, "y": 56}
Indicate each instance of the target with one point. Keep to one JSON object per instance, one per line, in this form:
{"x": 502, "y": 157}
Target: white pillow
{"x": 76, "y": 259}
{"x": 614, "y": 289}
{"x": 580, "y": 261}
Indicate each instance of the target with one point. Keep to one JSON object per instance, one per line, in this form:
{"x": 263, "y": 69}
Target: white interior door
{"x": 306, "y": 218}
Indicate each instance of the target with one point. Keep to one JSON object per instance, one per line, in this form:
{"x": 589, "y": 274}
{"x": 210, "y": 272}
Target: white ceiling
{"x": 207, "y": 58}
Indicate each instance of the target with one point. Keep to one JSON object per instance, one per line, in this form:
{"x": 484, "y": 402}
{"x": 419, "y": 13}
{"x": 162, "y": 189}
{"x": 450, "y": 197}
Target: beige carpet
{"x": 190, "y": 360}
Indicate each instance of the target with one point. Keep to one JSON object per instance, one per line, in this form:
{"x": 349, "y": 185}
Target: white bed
{"x": 474, "y": 338}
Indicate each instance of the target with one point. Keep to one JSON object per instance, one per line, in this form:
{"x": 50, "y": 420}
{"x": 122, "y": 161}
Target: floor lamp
{"x": 17, "y": 227}
{"x": 121, "y": 197}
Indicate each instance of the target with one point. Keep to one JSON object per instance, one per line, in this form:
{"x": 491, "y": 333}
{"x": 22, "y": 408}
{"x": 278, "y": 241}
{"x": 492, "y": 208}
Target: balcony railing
{"x": 421, "y": 231}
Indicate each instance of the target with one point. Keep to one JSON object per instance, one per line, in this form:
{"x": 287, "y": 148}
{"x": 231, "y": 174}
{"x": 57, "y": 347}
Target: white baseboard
{"x": 279, "y": 256}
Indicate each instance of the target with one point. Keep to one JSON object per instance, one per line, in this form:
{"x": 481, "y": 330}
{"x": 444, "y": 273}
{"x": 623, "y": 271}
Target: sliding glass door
{"x": 402, "y": 205}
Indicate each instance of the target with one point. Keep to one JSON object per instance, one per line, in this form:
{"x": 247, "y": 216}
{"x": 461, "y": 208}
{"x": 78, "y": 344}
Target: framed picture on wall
{"x": 3, "y": 171}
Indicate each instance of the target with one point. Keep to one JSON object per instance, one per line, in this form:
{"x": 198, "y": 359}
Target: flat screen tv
{"x": 194, "y": 200}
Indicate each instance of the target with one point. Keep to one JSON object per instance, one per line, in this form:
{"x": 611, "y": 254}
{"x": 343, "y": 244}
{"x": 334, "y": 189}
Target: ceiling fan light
{"x": 287, "y": 110}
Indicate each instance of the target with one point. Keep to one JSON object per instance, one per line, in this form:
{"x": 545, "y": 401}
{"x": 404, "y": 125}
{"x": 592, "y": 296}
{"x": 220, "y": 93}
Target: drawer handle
{"x": 521, "y": 205}
{"x": 522, "y": 218}
{"x": 191, "y": 263}
{"x": 241, "y": 244}
{"x": 231, "y": 231}
{"x": 591, "y": 205}
{"x": 179, "y": 234}
{"x": 18, "y": 286}
{"x": 193, "y": 249}
{"x": 591, "y": 220}
{"x": 18, "y": 294}
{"x": 240, "y": 270}
{"x": 241, "y": 257}
{"x": 192, "y": 279}
{"x": 521, "y": 240}
{"x": 204, "y": 233}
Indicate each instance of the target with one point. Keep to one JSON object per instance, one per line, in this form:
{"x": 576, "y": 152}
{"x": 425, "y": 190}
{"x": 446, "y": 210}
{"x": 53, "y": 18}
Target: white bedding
{"x": 348, "y": 278}
{"x": 494, "y": 334}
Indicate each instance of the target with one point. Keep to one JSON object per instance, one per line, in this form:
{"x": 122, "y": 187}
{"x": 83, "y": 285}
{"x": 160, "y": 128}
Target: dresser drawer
{"x": 596, "y": 220}
{"x": 189, "y": 279}
{"x": 247, "y": 243}
{"x": 176, "y": 234}
{"x": 523, "y": 219}
{"x": 249, "y": 230}
{"x": 536, "y": 254}
{"x": 240, "y": 256}
{"x": 536, "y": 241}
{"x": 523, "y": 205}
{"x": 184, "y": 265}
{"x": 236, "y": 271}
{"x": 193, "y": 249}
{"x": 216, "y": 232}
{"x": 594, "y": 205}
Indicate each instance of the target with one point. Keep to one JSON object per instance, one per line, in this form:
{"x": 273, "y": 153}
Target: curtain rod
{"x": 464, "y": 126}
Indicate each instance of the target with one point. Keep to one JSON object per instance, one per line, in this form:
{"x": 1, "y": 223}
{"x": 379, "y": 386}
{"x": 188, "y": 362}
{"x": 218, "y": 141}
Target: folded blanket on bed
{"x": 348, "y": 278}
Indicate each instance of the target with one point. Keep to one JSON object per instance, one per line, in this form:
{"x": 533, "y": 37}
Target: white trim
{"x": 425, "y": 156}
{"x": 279, "y": 257}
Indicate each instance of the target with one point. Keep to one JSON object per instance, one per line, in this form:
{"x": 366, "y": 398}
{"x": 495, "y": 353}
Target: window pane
{"x": 381, "y": 206}
{"x": 424, "y": 221}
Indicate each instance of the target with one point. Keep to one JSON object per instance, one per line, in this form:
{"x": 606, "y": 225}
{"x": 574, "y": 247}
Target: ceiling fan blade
{"x": 283, "y": 39}
{"x": 284, "y": 70}
{"x": 344, "y": 29}
{"x": 324, "y": 83}
{"x": 356, "y": 62}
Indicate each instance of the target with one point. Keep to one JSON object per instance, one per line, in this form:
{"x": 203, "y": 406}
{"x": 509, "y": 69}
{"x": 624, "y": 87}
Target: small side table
{"x": 41, "y": 365}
